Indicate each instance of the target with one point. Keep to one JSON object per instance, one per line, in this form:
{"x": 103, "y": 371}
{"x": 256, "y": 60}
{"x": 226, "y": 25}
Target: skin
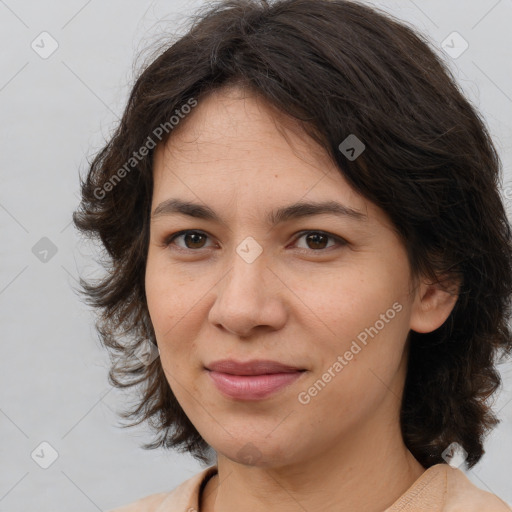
{"x": 300, "y": 302}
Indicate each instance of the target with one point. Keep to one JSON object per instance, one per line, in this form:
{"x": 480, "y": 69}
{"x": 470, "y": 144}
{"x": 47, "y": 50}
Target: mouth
{"x": 252, "y": 380}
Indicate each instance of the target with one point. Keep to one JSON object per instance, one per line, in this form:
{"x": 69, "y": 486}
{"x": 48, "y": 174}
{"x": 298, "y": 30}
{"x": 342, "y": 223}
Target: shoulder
{"x": 464, "y": 496}
{"x": 183, "y": 497}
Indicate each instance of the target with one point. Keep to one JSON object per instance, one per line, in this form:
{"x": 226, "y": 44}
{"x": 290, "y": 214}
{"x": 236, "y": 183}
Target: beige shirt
{"x": 440, "y": 488}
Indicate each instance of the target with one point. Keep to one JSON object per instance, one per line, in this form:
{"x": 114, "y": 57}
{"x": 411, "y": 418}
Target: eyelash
{"x": 170, "y": 239}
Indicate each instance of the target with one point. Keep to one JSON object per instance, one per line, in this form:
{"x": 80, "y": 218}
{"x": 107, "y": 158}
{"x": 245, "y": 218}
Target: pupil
{"x": 315, "y": 237}
{"x": 193, "y": 235}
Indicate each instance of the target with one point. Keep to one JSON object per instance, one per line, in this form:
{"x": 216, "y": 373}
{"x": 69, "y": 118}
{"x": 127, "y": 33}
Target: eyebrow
{"x": 283, "y": 214}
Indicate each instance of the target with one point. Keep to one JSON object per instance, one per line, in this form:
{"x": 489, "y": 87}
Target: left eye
{"x": 315, "y": 240}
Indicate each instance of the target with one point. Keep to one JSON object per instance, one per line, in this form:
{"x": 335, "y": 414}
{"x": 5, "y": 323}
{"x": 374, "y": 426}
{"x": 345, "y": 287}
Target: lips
{"x": 252, "y": 380}
{"x": 257, "y": 367}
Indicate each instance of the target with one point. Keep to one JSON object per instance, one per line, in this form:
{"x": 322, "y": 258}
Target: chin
{"x": 257, "y": 453}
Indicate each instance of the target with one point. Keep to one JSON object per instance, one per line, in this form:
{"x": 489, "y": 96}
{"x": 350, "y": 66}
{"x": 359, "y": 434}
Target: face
{"x": 242, "y": 278}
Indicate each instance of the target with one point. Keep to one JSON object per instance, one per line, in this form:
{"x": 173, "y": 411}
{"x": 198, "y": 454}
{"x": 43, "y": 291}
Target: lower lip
{"x": 252, "y": 387}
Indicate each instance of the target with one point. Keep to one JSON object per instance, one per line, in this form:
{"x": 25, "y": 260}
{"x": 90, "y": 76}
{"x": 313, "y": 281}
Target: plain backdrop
{"x": 56, "y": 111}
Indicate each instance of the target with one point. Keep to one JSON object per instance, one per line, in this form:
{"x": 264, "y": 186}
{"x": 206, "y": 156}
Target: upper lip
{"x": 254, "y": 367}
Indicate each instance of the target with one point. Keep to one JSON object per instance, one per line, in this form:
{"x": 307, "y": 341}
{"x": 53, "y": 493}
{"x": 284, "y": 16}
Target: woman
{"x": 301, "y": 212}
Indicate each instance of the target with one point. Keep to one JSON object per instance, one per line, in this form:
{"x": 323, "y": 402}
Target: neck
{"x": 370, "y": 477}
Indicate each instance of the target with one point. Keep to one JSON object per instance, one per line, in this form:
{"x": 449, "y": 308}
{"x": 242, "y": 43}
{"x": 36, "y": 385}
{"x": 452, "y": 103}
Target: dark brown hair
{"x": 340, "y": 68}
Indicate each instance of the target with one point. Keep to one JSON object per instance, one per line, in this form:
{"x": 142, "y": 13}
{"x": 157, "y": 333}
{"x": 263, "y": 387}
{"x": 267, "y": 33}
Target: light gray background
{"x": 55, "y": 113}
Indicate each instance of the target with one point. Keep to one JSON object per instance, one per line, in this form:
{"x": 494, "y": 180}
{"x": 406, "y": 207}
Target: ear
{"x": 433, "y": 304}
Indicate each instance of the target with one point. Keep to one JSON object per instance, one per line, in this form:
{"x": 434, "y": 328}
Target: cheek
{"x": 353, "y": 378}
{"x": 345, "y": 302}
{"x": 167, "y": 293}
{"x": 361, "y": 316}
{"x": 171, "y": 308}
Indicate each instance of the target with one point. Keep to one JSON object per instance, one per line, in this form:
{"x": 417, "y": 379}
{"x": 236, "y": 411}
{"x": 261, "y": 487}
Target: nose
{"x": 249, "y": 298}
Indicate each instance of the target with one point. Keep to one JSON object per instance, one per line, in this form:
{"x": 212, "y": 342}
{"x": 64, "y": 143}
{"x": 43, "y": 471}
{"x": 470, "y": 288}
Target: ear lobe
{"x": 432, "y": 305}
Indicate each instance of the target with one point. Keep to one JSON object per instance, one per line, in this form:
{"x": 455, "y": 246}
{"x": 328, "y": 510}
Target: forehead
{"x": 236, "y": 125}
{"x": 235, "y": 148}
{"x": 233, "y": 130}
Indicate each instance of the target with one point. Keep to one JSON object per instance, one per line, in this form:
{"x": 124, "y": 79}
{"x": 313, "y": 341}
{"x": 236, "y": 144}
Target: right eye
{"x": 192, "y": 239}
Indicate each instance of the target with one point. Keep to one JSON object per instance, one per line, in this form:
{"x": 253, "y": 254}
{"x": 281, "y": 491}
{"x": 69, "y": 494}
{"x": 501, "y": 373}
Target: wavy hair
{"x": 340, "y": 68}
